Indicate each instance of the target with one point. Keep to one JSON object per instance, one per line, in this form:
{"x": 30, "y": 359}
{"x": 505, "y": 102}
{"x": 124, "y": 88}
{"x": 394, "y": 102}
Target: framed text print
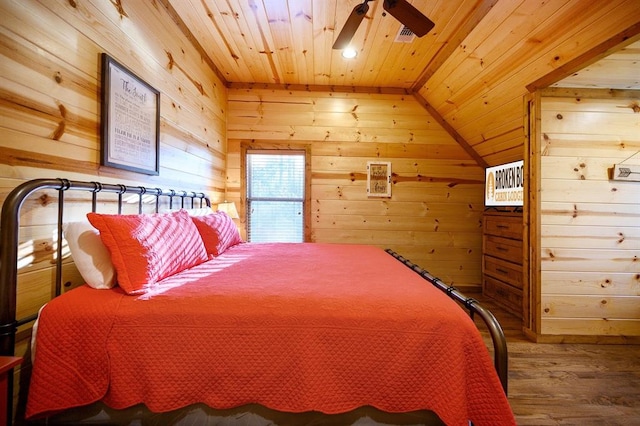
{"x": 130, "y": 120}
{"x": 379, "y": 179}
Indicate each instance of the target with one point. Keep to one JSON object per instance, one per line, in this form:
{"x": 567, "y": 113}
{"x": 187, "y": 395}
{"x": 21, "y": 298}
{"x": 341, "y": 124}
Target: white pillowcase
{"x": 91, "y": 256}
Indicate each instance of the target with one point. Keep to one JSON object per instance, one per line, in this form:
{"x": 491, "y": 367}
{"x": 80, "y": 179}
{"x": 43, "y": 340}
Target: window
{"x": 276, "y": 194}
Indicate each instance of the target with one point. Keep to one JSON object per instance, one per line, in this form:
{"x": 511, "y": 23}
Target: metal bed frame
{"x": 9, "y": 234}
{"x": 500, "y": 354}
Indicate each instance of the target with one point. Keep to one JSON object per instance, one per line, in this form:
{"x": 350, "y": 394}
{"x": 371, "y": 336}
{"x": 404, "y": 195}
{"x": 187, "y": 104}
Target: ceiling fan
{"x": 402, "y": 10}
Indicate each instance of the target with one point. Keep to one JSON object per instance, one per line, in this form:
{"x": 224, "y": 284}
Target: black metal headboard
{"x": 9, "y": 232}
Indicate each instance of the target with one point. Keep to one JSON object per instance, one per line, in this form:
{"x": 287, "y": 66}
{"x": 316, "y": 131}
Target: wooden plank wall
{"x": 434, "y": 215}
{"x": 589, "y": 225}
{"x": 50, "y": 109}
{"x": 50, "y": 92}
{"x": 481, "y": 84}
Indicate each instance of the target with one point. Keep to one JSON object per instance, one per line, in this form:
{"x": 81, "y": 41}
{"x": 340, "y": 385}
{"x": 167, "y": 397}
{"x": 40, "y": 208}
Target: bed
{"x": 203, "y": 328}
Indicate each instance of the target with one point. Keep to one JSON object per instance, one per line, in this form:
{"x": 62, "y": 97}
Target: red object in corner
{"x": 6, "y": 366}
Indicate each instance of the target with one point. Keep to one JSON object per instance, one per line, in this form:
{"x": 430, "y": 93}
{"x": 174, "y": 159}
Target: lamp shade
{"x": 229, "y": 207}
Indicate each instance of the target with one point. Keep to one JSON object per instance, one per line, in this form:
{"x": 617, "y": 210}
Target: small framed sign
{"x": 130, "y": 120}
{"x": 379, "y": 179}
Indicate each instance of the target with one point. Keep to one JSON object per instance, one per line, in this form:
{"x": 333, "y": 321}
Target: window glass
{"x": 275, "y": 196}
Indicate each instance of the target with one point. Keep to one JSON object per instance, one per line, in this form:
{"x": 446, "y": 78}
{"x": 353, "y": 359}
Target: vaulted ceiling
{"x": 471, "y": 71}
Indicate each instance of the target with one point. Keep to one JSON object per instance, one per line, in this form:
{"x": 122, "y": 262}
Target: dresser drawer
{"x": 503, "y": 226}
{"x": 508, "y": 272}
{"x": 502, "y": 259}
{"x": 509, "y": 297}
{"x": 503, "y": 248}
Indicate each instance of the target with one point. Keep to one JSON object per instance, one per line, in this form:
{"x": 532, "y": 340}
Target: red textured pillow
{"x": 217, "y": 231}
{"x": 146, "y": 248}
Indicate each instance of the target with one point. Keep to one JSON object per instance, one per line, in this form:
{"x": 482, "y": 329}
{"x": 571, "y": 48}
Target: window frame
{"x": 266, "y": 148}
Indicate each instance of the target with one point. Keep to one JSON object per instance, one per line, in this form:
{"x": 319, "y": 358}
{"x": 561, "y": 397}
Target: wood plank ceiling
{"x": 470, "y": 72}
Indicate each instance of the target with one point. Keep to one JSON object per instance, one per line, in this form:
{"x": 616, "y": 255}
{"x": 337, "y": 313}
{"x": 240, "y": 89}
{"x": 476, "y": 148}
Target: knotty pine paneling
{"x": 50, "y": 89}
{"x": 589, "y": 225}
{"x": 589, "y": 214}
{"x": 593, "y": 283}
{"x": 595, "y": 237}
{"x": 434, "y": 215}
{"x": 515, "y": 43}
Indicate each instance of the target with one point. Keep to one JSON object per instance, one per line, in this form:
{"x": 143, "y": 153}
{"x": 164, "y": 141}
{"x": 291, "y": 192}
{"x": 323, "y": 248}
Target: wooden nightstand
{"x": 7, "y": 363}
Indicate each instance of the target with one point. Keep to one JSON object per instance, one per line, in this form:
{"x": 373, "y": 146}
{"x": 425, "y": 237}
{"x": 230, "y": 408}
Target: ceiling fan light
{"x": 349, "y": 53}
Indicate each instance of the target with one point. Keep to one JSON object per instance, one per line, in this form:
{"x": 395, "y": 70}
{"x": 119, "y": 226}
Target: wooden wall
{"x": 518, "y": 44}
{"x": 589, "y": 225}
{"x": 50, "y": 89}
{"x": 434, "y": 215}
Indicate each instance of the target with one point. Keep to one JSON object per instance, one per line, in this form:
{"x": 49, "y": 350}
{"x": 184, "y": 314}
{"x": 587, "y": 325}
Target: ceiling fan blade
{"x": 408, "y": 15}
{"x": 351, "y": 26}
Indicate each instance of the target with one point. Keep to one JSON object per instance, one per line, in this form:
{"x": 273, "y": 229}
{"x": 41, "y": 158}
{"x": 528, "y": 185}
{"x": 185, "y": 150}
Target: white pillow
{"x": 91, "y": 256}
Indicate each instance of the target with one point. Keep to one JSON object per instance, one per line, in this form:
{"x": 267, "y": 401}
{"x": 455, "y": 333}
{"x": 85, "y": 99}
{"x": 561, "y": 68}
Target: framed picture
{"x": 379, "y": 179}
{"x": 130, "y": 120}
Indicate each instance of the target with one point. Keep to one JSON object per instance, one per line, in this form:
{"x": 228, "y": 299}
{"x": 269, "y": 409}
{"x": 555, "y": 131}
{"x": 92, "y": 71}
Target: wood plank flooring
{"x": 567, "y": 383}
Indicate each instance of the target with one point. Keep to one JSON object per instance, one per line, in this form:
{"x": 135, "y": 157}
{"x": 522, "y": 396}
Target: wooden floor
{"x": 569, "y": 384}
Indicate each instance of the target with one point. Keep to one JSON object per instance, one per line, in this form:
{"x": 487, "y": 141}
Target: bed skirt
{"x": 247, "y": 415}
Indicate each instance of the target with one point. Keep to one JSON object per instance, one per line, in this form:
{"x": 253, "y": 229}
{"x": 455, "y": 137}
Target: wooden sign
{"x": 628, "y": 172}
{"x": 379, "y": 179}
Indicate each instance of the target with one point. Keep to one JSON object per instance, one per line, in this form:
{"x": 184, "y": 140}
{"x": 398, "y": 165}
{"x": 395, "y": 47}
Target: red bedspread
{"x": 294, "y": 327}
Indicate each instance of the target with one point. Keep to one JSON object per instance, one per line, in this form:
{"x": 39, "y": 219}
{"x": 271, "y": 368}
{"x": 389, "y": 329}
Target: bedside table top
{"x": 8, "y": 362}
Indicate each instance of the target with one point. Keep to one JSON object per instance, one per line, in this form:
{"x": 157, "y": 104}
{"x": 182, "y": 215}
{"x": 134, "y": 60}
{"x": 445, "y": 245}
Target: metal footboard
{"x": 500, "y": 354}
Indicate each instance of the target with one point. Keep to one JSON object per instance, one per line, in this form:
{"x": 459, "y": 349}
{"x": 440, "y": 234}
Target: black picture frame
{"x": 130, "y": 120}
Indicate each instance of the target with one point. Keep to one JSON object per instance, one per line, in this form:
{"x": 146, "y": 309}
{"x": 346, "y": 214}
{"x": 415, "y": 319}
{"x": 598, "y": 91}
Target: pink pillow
{"x": 217, "y": 231}
{"x": 146, "y": 248}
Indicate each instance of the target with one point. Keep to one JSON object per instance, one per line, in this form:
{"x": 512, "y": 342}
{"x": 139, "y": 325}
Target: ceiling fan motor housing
{"x": 402, "y": 10}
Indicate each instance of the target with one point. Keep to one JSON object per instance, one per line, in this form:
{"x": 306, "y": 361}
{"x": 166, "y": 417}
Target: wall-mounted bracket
{"x": 626, "y": 172}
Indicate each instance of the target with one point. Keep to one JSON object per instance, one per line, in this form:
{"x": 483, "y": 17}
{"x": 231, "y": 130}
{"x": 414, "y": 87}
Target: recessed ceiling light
{"x": 349, "y": 53}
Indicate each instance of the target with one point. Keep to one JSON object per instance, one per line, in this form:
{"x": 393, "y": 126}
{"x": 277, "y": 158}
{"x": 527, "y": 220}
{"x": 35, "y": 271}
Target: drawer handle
{"x": 502, "y": 271}
{"x": 502, "y": 226}
{"x": 501, "y": 248}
